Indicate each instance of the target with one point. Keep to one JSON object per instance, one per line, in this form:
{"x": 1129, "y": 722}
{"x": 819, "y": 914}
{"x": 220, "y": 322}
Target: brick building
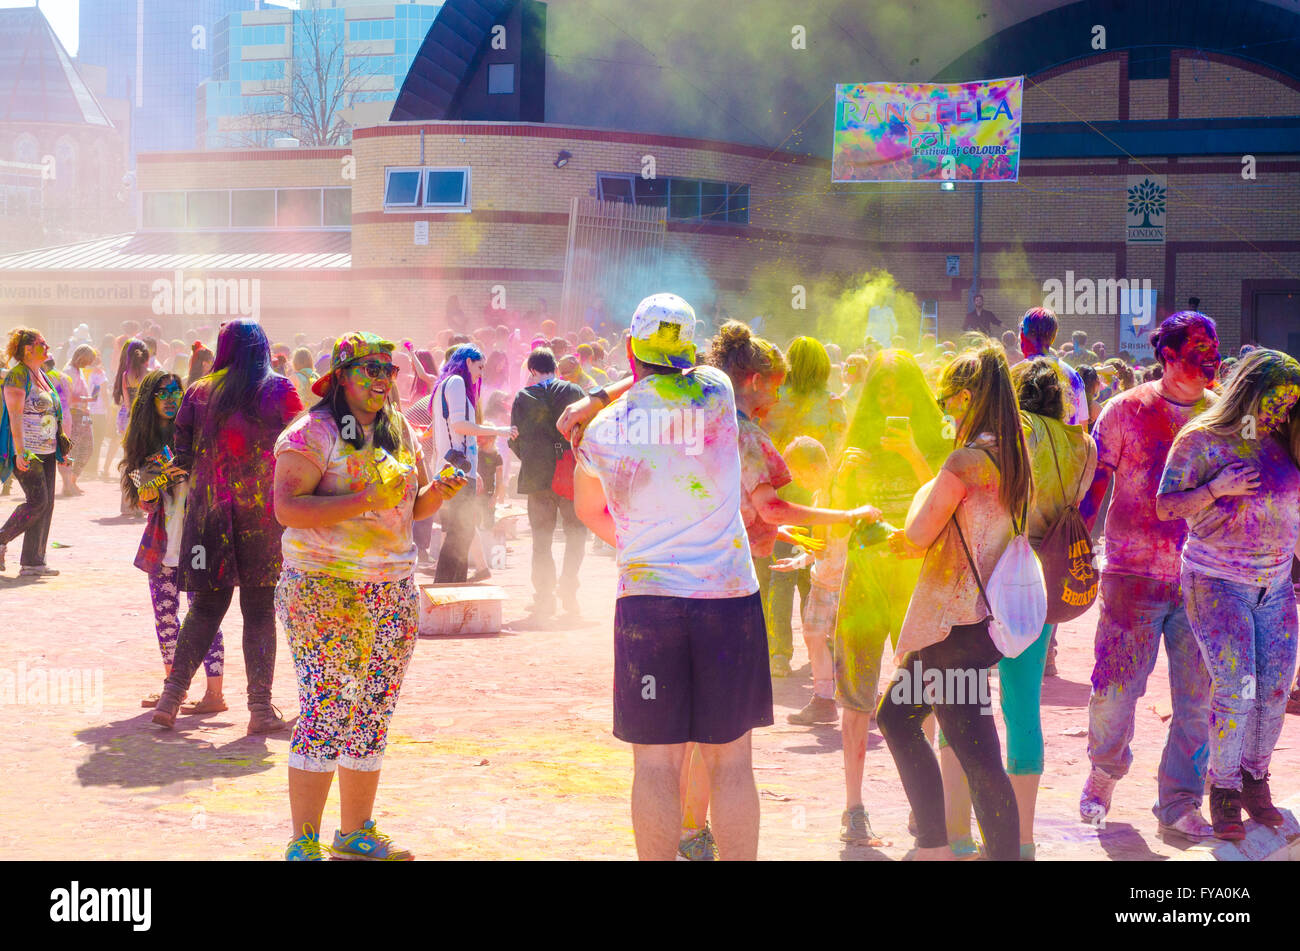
{"x": 452, "y": 200}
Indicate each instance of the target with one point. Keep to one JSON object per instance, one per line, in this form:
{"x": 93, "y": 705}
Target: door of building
{"x": 1276, "y": 320}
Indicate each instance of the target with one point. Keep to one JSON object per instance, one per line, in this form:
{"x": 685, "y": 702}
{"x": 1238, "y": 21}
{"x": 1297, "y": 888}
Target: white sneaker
{"x": 1095, "y": 801}
{"x": 1190, "y": 825}
{"x": 38, "y": 571}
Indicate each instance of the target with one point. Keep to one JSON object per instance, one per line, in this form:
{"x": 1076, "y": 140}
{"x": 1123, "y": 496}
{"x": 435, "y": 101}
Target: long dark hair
{"x": 134, "y": 356}
{"x": 388, "y": 426}
{"x": 146, "y": 431}
{"x": 241, "y": 369}
{"x": 993, "y": 409}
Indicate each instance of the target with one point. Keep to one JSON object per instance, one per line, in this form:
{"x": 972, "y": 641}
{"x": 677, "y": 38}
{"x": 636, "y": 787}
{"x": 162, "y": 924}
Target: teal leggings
{"x": 1020, "y": 681}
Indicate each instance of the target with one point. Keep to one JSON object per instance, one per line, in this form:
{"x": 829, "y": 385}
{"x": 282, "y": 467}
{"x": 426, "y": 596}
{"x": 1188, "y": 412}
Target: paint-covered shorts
{"x": 690, "y": 669}
{"x": 351, "y": 642}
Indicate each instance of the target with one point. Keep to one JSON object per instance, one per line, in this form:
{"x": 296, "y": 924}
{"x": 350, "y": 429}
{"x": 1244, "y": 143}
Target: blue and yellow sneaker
{"x": 367, "y": 844}
{"x": 305, "y": 848}
{"x": 699, "y": 847}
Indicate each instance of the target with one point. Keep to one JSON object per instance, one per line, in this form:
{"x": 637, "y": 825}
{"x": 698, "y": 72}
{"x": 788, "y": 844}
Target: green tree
{"x": 1146, "y": 199}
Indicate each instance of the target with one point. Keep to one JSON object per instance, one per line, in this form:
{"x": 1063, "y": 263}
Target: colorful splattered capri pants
{"x": 351, "y": 642}
{"x": 166, "y": 596}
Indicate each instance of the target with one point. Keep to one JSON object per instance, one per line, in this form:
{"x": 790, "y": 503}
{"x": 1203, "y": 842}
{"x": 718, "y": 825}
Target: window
{"x": 738, "y": 204}
{"x": 713, "y": 201}
{"x": 253, "y": 208}
{"x": 163, "y": 209}
{"x": 298, "y": 208}
{"x": 402, "y": 188}
{"x": 686, "y": 199}
{"x": 614, "y": 188}
{"x": 501, "y": 79}
{"x": 652, "y": 192}
{"x": 683, "y": 198}
{"x": 440, "y": 189}
{"x": 338, "y": 208}
{"x": 446, "y": 187}
{"x": 208, "y": 209}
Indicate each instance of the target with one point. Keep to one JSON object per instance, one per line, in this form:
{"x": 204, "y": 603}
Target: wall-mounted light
{"x": 949, "y": 186}
{"x": 562, "y": 159}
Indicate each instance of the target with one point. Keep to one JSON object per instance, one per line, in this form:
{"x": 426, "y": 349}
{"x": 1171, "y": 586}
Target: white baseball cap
{"x": 663, "y": 332}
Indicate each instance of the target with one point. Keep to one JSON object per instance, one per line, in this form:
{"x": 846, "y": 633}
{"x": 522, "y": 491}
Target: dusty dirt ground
{"x": 500, "y": 749}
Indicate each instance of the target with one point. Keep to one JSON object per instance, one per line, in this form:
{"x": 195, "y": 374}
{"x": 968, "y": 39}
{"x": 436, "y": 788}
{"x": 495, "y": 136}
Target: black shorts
{"x": 690, "y": 669}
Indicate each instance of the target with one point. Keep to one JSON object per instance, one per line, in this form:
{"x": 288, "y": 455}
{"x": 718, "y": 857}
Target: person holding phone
{"x": 962, "y": 516}
{"x": 151, "y": 434}
{"x": 350, "y": 481}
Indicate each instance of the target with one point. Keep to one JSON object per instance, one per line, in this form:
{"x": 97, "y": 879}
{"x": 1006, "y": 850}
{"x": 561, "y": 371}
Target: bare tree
{"x": 325, "y": 80}
{"x": 323, "y": 83}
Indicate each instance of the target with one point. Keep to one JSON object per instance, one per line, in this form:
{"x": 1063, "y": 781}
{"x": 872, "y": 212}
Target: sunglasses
{"x": 375, "y": 369}
{"x": 174, "y": 393}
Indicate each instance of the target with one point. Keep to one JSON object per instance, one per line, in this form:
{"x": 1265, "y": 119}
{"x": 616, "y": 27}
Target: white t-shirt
{"x": 374, "y": 546}
{"x": 458, "y": 410}
{"x": 173, "y": 504}
{"x": 667, "y": 455}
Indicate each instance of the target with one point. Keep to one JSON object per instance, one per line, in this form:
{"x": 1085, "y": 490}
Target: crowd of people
{"x": 883, "y": 485}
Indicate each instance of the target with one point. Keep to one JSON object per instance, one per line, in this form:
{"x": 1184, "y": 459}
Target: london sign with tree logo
{"x": 1146, "y": 200}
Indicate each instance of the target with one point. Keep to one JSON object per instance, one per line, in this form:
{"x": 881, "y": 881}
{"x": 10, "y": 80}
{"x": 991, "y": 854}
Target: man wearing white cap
{"x": 658, "y": 477}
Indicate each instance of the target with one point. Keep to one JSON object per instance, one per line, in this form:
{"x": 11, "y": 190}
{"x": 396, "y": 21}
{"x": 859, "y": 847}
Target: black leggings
{"x": 972, "y": 735}
{"x": 202, "y": 621}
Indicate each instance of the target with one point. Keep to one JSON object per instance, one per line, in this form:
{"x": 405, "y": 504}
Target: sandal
{"x": 151, "y": 701}
{"x": 208, "y": 704}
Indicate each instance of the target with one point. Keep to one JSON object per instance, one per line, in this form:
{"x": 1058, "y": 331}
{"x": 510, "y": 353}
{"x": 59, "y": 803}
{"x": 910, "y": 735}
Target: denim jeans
{"x": 1247, "y": 635}
{"x": 1135, "y": 613}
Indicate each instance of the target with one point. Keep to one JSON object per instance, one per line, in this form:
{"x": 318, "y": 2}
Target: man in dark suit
{"x": 539, "y": 447}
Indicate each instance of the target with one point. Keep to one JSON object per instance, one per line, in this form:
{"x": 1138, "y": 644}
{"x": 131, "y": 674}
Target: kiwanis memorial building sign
{"x": 124, "y": 291}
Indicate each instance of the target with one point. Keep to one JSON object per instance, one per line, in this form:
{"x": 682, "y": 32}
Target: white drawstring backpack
{"x": 1016, "y": 594}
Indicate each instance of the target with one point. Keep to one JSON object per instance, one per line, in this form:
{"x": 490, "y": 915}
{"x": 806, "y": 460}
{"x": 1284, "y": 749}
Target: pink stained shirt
{"x": 1134, "y": 433}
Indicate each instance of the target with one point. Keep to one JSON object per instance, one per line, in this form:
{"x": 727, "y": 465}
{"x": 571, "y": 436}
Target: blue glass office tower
{"x": 247, "y": 101}
{"x": 155, "y": 57}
